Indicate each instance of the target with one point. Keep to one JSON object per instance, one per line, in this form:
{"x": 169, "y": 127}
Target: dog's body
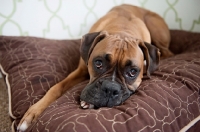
{"x": 113, "y": 55}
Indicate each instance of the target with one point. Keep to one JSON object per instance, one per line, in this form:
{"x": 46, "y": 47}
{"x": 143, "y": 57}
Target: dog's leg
{"x": 77, "y": 76}
{"x": 160, "y": 34}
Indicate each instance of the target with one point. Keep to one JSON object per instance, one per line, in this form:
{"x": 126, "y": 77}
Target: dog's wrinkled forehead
{"x": 120, "y": 49}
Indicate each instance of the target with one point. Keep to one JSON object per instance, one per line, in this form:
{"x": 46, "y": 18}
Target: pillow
{"x": 169, "y": 101}
{"x": 31, "y": 66}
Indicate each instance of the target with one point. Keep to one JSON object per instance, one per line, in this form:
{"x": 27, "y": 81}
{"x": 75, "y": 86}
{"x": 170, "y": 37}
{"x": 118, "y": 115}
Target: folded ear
{"x": 88, "y": 43}
{"x": 151, "y": 55}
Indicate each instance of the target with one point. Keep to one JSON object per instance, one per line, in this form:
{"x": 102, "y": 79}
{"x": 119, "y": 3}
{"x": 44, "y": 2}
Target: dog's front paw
{"x": 22, "y": 127}
{"x": 29, "y": 117}
{"x": 86, "y": 105}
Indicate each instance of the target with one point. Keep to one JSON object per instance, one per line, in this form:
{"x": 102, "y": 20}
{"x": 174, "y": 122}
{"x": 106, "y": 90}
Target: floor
{"x": 5, "y": 123}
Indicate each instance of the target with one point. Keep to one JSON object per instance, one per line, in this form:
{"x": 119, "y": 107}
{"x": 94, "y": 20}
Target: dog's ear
{"x": 151, "y": 55}
{"x": 88, "y": 43}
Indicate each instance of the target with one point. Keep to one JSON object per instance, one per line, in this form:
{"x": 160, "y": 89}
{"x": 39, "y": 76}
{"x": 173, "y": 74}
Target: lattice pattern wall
{"x": 61, "y": 19}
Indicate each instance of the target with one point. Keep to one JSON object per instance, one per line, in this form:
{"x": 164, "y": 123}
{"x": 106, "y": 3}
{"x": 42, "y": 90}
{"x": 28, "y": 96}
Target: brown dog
{"x": 113, "y": 54}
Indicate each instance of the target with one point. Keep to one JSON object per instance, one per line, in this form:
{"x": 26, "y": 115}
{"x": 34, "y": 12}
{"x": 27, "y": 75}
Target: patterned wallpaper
{"x": 61, "y": 19}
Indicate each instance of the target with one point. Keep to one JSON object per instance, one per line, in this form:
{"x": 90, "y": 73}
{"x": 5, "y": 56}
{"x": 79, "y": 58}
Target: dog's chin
{"x": 85, "y": 104}
{"x": 94, "y": 102}
{"x": 97, "y": 94}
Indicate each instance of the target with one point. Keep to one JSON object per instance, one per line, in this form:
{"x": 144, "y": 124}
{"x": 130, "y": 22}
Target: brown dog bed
{"x": 169, "y": 101}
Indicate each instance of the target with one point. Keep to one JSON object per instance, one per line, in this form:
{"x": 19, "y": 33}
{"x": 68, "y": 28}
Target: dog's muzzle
{"x": 104, "y": 93}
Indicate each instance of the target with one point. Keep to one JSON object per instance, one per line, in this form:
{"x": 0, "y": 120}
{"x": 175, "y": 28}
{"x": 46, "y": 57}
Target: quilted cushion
{"x": 31, "y": 66}
{"x": 169, "y": 101}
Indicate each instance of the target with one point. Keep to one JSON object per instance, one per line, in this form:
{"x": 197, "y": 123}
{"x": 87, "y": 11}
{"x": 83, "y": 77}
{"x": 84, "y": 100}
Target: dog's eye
{"x": 98, "y": 64}
{"x": 132, "y": 73}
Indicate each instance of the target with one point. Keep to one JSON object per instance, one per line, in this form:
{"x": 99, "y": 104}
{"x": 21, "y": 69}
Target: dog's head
{"x": 115, "y": 66}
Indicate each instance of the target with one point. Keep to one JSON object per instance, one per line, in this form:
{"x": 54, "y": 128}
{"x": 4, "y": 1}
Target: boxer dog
{"x": 114, "y": 54}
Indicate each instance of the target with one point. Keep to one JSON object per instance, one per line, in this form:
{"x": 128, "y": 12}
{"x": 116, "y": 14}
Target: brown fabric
{"x": 182, "y": 41}
{"x": 34, "y": 65}
{"x": 195, "y": 128}
{"x": 166, "y": 102}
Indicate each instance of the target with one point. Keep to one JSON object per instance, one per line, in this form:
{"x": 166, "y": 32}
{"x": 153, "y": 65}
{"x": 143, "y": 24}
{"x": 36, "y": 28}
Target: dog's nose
{"x": 111, "y": 88}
